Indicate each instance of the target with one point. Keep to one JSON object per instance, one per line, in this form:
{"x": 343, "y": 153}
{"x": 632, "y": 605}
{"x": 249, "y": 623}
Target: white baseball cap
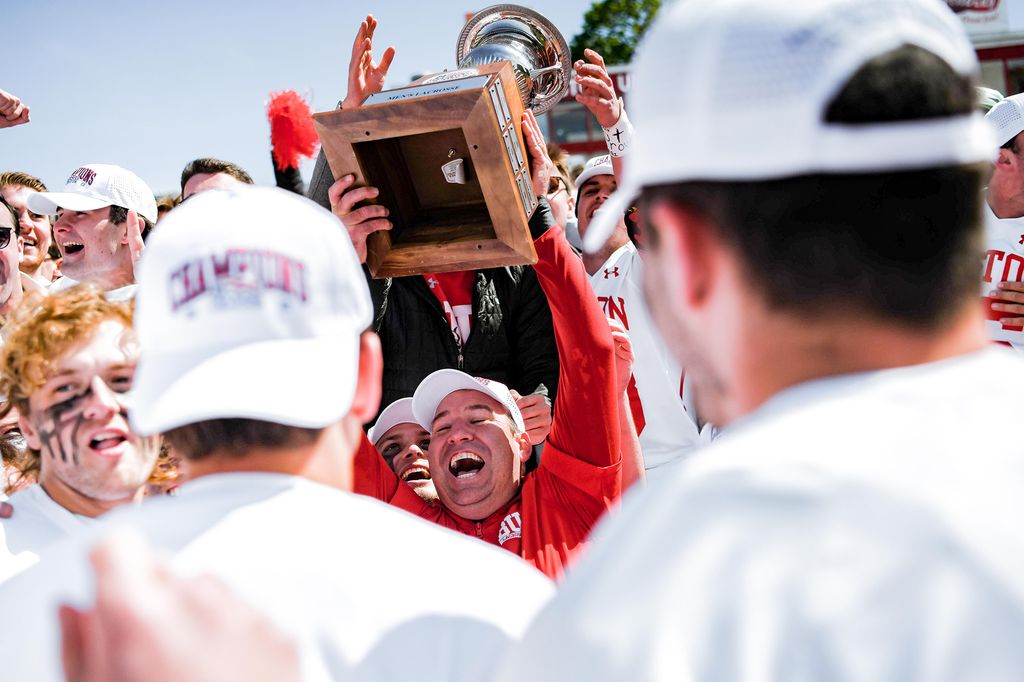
{"x": 599, "y": 165}
{"x": 1007, "y": 118}
{"x": 736, "y": 90}
{"x": 250, "y": 304}
{"x": 98, "y": 185}
{"x": 398, "y": 412}
{"x": 442, "y": 383}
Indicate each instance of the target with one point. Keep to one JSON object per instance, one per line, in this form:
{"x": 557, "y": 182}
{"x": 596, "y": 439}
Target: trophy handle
{"x": 545, "y": 101}
{"x": 549, "y": 40}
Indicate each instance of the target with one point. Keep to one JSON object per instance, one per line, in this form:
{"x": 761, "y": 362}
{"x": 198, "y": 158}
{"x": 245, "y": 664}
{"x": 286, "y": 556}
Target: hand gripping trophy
{"x": 447, "y": 153}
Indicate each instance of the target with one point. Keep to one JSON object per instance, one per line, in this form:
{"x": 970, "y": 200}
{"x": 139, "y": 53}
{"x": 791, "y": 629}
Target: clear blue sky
{"x": 150, "y": 86}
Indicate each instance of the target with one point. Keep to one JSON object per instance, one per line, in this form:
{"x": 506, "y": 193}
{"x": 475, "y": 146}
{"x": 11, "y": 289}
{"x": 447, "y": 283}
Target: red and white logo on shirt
{"x": 511, "y": 527}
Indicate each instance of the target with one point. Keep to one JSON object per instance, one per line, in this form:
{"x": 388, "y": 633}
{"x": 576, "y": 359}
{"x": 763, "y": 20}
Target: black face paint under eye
{"x": 66, "y": 417}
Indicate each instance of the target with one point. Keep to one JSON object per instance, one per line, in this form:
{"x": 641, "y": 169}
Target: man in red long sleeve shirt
{"x": 478, "y": 442}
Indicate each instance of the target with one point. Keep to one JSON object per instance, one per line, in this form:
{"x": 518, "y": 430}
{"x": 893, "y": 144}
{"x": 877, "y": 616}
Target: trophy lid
{"x": 536, "y": 49}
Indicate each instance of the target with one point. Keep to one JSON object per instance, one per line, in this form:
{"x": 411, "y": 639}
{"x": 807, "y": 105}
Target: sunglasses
{"x": 555, "y": 184}
{"x": 5, "y": 236}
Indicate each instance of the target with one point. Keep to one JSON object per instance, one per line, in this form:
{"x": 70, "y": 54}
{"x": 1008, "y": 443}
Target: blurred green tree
{"x": 613, "y": 28}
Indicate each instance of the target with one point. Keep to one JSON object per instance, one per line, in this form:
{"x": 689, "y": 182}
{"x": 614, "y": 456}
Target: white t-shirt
{"x": 865, "y": 527}
{"x": 1003, "y": 262}
{"x": 367, "y": 591}
{"x": 669, "y": 431}
{"x": 124, "y": 293}
{"x": 36, "y": 523}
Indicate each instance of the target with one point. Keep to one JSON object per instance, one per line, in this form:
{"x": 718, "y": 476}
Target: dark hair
{"x": 900, "y": 245}
{"x": 119, "y": 214}
{"x": 212, "y": 166}
{"x": 236, "y": 437}
{"x": 14, "y": 215}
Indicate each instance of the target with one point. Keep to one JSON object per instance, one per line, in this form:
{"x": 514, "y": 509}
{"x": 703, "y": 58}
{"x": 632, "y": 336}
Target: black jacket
{"x": 512, "y": 338}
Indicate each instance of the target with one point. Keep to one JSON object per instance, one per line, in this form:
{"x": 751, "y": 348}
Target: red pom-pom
{"x": 292, "y": 134}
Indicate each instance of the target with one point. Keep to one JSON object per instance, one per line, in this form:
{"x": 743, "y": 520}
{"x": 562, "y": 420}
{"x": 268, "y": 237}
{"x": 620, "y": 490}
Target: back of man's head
{"x": 832, "y": 148}
{"x": 209, "y": 167}
{"x": 250, "y": 341}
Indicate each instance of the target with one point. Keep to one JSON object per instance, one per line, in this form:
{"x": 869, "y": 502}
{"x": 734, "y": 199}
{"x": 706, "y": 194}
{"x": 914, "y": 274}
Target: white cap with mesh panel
{"x": 250, "y": 304}
{"x": 735, "y": 90}
{"x": 398, "y": 412}
{"x": 442, "y": 383}
{"x": 1007, "y": 118}
{"x": 98, "y": 185}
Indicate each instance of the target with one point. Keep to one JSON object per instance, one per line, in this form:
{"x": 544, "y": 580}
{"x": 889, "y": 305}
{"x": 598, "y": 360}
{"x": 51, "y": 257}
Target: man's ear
{"x": 523, "y": 442}
{"x": 687, "y": 239}
{"x": 371, "y": 369}
{"x": 27, "y": 430}
{"x": 1006, "y": 158}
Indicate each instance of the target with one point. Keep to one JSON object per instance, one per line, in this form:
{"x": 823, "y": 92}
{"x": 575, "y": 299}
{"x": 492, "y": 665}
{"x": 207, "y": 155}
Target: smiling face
{"x": 476, "y": 456}
{"x": 404, "y": 447}
{"x": 93, "y": 248}
{"x": 35, "y": 228}
{"x": 592, "y": 195}
{"x": 78, "y": 419}
{"x": 10, "y": 254}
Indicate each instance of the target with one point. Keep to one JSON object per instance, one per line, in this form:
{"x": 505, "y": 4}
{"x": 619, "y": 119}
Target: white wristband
{"x": 619, "y": 137}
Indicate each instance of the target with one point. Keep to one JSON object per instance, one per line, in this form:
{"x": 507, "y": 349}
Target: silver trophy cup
{"x": 536, "y": 49}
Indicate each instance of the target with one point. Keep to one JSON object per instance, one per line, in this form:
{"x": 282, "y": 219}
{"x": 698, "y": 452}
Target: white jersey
{"x": 864, "y": 527}
{"x": 125, "y": 293}
{"x": 668, "y": 432}
{"x": 368, "y": 592}
{"x": 36, "y": 523}
{"x": 1003, "y": 262}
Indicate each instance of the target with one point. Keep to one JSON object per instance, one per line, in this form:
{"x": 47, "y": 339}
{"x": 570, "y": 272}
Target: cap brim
{"x": 47, "y": 203}
{"x": 607, "y": 217}
{"x": 307, "y": 383}
{"x": 435, "y": 388}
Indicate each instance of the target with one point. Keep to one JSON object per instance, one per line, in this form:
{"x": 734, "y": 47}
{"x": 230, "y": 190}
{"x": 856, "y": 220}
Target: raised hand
{"x": 360, "y": 222}
{"x": 596, "y": 92}
{"x": 133, "y": 233}
{"x": 541, "y": 167}
{"x": 365, "y": 77}
{"x": 536, "y": 411}
{"x": 13, "y": 111}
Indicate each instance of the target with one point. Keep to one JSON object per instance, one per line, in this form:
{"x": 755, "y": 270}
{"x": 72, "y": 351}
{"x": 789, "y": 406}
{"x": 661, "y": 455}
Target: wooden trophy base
{"x": 408, "y": 142}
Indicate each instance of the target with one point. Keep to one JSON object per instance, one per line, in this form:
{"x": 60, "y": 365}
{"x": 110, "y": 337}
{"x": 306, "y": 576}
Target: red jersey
{"x": 548, "y": 521}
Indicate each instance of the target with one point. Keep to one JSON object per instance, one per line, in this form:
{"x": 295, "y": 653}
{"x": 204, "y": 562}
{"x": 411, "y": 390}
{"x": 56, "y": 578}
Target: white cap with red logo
{"x": 250, "y": 304}
{"x": 442, "y": 383}
{"x": 98, "y": 185}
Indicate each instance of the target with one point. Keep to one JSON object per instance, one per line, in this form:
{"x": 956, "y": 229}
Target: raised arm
{"x": 586, "y": 421}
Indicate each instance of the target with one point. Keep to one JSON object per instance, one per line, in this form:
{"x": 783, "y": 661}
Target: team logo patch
{"x": 511, "y": 527}
{"x": 239, "y": 278}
